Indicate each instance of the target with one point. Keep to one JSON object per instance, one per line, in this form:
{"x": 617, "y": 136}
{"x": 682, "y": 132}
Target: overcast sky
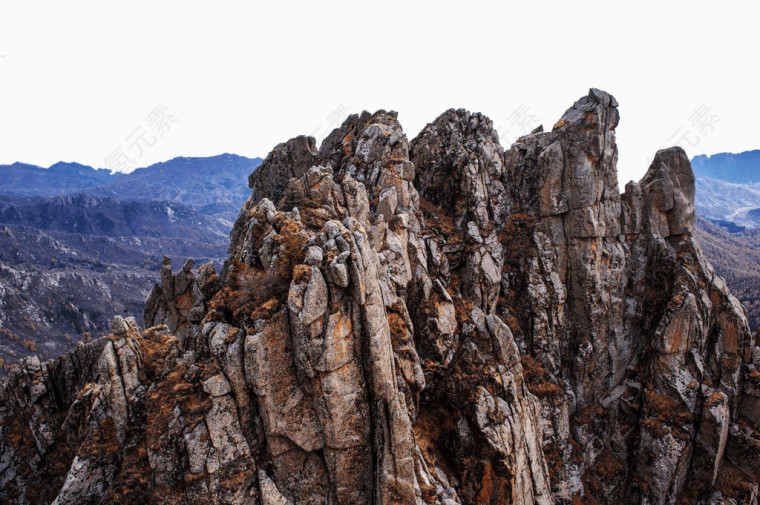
{"x": 130, "y": 85}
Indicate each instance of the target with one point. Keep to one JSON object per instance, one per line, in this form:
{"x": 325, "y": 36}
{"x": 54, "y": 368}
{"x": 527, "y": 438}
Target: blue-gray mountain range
{"x": 728, "y": 189}
{"x": 209, "y": 185}
{"x": 79, "y": 245}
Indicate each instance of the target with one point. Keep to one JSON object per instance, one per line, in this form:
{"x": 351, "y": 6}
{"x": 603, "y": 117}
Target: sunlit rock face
{"x": 438, "y": 321}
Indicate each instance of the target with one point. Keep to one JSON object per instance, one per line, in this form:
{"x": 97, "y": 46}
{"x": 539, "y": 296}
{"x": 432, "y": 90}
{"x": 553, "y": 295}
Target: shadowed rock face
{"x": 436, "y": 321}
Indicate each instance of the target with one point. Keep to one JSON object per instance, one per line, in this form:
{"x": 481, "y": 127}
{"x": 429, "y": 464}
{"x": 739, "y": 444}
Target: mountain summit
{"x": 438, "y": 321}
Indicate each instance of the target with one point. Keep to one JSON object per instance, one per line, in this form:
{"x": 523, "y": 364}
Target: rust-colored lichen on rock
{"x": 440, "y": 321}
{"x": 539, "y": 381}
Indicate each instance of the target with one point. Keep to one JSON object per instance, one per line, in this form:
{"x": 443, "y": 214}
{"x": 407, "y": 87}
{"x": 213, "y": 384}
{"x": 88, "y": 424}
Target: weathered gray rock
{"x": 668, "y": 189}
{"x": 287, "y": 160}
{"x": 315, "y": 298}
{"x": 119, "y": 326}
{"x": 520, "y": 333}
{"x": 218, "y": 385}
{"x": 459, "y": 164}
{"x": 313, "y": 256}
{"x": 270, "y": 495}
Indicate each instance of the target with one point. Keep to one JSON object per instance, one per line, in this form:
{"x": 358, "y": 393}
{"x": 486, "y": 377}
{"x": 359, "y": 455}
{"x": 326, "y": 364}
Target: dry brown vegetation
{"x": 538, "y": 379}
{"x": 253, "y": 294}
{"x": 665, "y": 415}
{"x": 439, "y": 221}
{"x": 292, "y": 242}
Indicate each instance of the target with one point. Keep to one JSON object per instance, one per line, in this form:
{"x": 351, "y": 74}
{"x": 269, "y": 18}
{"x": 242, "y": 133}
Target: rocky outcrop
{"x": 436, "y": 321}
{"x": 181, "y": 300}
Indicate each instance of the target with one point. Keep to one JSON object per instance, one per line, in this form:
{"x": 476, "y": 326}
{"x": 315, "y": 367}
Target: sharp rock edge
{"x": 438, "y": 321}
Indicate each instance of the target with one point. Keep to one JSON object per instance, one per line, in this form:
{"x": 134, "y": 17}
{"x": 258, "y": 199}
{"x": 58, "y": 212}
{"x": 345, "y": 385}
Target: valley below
{"x": 79, "y": 246}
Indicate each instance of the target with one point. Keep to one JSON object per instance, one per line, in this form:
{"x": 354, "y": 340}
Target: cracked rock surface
{"x": 435, "y": 321}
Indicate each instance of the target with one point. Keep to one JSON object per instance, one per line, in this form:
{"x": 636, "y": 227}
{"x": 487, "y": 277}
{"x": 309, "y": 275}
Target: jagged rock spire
{"x": 436, "y": 321}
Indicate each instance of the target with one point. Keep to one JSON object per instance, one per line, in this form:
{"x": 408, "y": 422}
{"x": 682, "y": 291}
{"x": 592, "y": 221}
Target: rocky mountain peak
{"x": 459, "y": 163}
{"x": 438, "y": 321}
{"x": 669, "y": 186}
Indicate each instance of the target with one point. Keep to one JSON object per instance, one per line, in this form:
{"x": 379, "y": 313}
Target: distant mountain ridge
{"x": 728, "y": 189}
{"x": 208, "y": 184}
{"x": 739, "y": 168}
{"x": 86, "y": 214}
{"x": 24, "y": 179}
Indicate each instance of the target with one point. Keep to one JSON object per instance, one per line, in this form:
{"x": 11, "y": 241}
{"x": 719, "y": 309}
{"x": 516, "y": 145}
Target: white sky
{"x": 77, "y": 78}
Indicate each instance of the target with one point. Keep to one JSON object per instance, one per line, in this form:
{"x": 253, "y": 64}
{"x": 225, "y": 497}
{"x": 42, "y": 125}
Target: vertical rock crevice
{"x": 438, "y": 321}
